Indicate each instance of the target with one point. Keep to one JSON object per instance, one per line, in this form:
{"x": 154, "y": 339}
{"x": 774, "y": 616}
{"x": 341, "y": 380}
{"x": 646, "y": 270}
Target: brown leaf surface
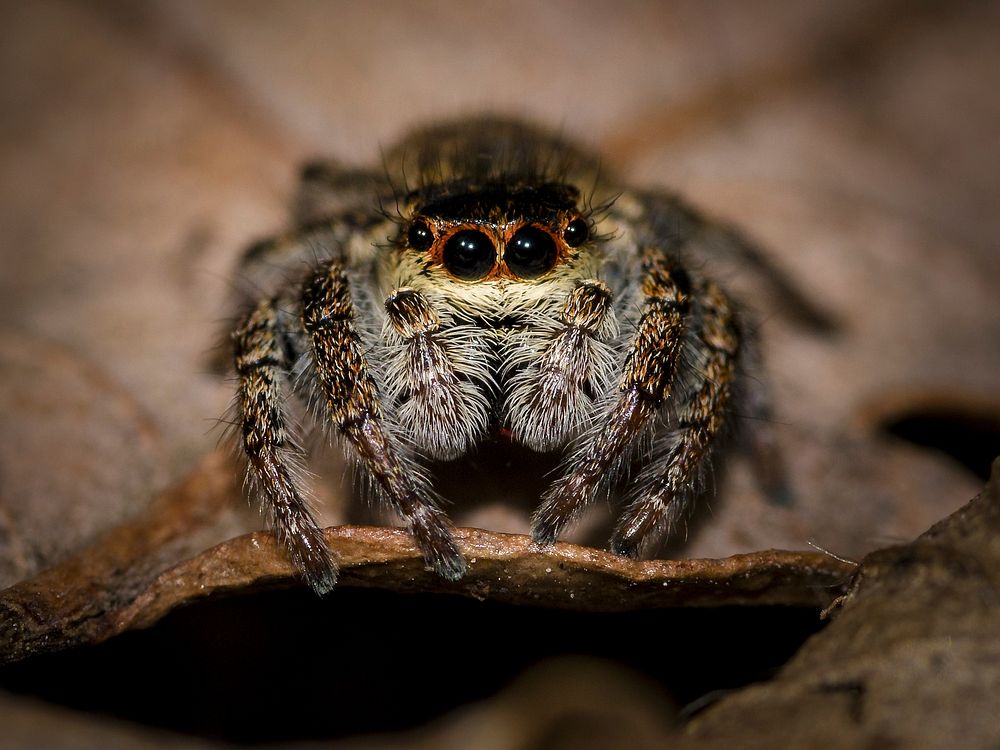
{"x": 911, "y": 660}
{"x": 50, "y": 400}
{"x": 140, "y": 571}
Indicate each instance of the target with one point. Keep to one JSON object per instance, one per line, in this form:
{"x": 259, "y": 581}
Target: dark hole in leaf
{"x": 284, "y": 665}
{"x": 970, "y": 437}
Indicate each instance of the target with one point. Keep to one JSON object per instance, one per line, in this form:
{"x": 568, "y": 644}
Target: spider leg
{"x": 351, "y": 403}
{"x": 663, "y": 491}
{"x": 662, "y": 214}
{"x": 648, "y": 373}
{"x": 552, "y": 395}
{"x": 261, "y": 364}
{"x": 760, "y": 442}
{"x": 441, "y": 412}
{"x": 328, "y": 188}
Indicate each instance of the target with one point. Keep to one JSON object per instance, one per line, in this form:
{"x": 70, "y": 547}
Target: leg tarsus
{"x": 646, "y": 515}
{"x": 313, "y": 557}
{"x": 437, "y": 544}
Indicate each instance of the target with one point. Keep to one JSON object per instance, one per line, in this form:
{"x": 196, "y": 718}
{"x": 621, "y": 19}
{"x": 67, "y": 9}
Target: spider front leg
{"x": 663, "y": 491}
{"x": 260, "y": 344}
{"x": 648, "y": 373}
{"x": 649, "y": 215}
{"x": 351, "y": 404}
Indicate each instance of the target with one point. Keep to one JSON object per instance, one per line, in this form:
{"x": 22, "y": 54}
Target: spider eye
{"x": 420, "y": 235}
{"x": 530, "y": 252}
{"x": 576, "y": 233}
{"x": 469, "y": 254}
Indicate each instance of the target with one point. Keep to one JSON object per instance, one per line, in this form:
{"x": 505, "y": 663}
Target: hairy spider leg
{"x": 645, "y": 385}
{"x": 351, "y": 404}
{"x": 664, "y": 490}
{"x": 273, "y": 457}
{"x": 667, "y": 215}
{"x": 760, "y": 441}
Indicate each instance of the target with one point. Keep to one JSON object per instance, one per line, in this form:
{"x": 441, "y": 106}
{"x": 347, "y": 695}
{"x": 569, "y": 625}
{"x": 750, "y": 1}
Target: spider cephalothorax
{"x": 511, "y": 289}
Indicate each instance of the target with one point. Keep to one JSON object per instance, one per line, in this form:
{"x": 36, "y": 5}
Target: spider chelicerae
{"x": 490, "y": 284}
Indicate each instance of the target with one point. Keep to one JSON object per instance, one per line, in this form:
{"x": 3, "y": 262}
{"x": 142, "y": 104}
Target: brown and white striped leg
{"x": 649, "y": 371}
{"x": 351, "y": 404}
{"x": 273, "y": 457}
{"x": 663, "y": 491}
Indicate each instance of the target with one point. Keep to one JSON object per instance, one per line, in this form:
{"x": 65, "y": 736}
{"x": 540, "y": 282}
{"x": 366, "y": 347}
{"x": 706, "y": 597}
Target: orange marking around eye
{"x": 500, "y": 235}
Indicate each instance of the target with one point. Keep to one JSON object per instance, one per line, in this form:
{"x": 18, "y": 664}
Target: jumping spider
{"x": 490, "y": 285}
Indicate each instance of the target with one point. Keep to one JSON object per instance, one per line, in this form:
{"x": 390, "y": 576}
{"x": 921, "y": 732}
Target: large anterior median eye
{"x": 530, "y": 253}
{"x": 469, "y": 254}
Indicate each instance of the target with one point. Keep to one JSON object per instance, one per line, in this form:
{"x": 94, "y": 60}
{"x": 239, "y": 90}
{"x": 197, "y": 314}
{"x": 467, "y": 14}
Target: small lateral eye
{"x": 530, "y": 253}
{"x": 576, "y": 233}
{"x": 469, "y": 254}
{"x": 420, "y": 237}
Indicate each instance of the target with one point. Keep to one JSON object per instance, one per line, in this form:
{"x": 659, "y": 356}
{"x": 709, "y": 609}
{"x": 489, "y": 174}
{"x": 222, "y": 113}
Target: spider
{"x": 489, "y": 284}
